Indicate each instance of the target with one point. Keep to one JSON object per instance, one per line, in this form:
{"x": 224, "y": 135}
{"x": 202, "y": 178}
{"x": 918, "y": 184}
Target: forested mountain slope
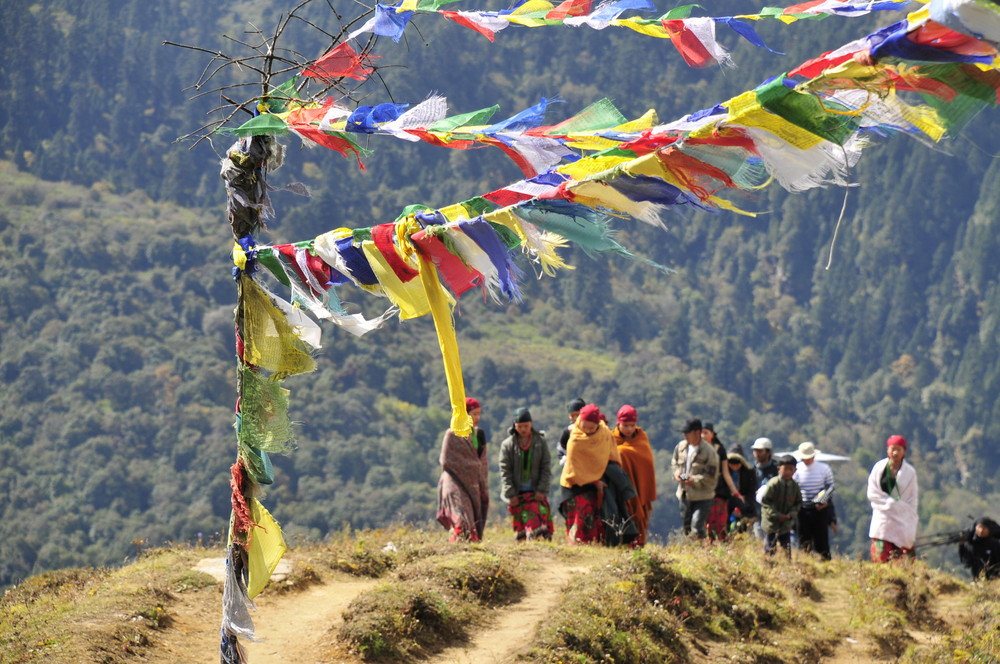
{"x": 117, "y": 359}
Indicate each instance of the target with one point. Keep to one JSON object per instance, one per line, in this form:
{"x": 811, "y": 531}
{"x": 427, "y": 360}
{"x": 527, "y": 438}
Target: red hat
{"x": 471, "y": 404}
{"x": 896, "y": 440}
{"x": 590, "y": 413}
{"x": 627, "y": 413}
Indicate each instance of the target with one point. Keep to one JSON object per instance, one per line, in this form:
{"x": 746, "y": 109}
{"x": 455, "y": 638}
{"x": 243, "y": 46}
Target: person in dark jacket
{"x": 619, "y": 526}
{"x": 780, "y": 502}
{"x": 742, "y": 513}
{"x": 525, "y": 475}
{"x": 979, "y": 549}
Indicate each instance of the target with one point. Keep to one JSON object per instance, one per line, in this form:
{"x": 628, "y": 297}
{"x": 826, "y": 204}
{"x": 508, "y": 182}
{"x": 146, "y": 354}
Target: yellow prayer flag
{"x": 408, "y": 296}
{"x": 583, "y": 168}
{"x": 643, "y": 28}
{"x": 745, "y": 109}
{"x": 267, "y": 546}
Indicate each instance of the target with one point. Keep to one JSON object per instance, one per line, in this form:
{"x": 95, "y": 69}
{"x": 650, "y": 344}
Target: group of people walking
{"x": 607, "y": 482}
{"x": 607, "y": 486}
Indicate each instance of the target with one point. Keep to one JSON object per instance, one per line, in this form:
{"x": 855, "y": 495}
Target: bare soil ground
{"x": 300, "y": 627}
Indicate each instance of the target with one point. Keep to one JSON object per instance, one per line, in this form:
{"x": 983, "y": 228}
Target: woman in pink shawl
{"x": 463, "y": 490}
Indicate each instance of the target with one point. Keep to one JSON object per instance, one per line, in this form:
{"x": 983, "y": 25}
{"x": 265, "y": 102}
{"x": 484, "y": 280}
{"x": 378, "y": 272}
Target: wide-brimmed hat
{"x": 807, "y": 450}
{"x": 761, "y": 444}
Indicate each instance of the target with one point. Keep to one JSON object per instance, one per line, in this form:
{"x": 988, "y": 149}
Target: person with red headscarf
{"x": 463, "y": 489}
{"x": 893, "y": 494}
{"x": 637, "y": 461}
{"x": 589, "y": 450}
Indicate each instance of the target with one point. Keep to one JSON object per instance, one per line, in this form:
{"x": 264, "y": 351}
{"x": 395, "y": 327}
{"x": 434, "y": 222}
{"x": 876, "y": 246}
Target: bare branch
{"x": 260, "y": 57}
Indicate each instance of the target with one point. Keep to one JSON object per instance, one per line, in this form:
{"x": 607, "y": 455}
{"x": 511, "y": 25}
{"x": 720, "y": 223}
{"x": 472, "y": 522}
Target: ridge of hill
{"x": 404, "y": 595}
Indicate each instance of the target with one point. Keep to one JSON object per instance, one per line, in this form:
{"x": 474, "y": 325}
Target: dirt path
{"x": 509, "y": 630}
{"x": 293, "y": 628}
{"x": 835, "y": 607}
{"x": 300, "y": 627}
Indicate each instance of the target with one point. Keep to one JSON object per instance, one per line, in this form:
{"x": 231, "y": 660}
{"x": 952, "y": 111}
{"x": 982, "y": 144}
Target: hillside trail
{"x": 510, "y": 629}
{"x": 300, "y": 627}
{"x": 292, "y": 627}
{"x": 836, "y": 608}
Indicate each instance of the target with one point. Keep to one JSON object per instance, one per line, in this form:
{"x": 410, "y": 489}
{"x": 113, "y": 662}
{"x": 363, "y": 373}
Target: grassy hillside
{"x": 404, "y": 595}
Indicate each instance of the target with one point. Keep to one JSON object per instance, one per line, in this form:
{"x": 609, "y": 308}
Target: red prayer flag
{"x": 341, "y": 61}
{"x": 570, "y": 8}
{"x": 688, "y": 44}
{"x": 462, "y": 20}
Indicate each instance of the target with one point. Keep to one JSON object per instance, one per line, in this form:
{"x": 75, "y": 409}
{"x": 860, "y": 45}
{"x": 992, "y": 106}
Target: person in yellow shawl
{"x": 591, "y": 446}
{"x": 637, "y": 461}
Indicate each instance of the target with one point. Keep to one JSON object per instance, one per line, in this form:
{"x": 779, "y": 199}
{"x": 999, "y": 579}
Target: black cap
{"x": 575, "y": 405}
{"x": 709, "y": 426}
{"x": 692, "y": 425}
{"x": 787, "y": 460}
{"x": 522, "y": 415}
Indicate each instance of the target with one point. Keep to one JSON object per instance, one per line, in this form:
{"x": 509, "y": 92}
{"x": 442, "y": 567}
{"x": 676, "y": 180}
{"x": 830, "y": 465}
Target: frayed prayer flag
{"x": 342, "y": 61}
{"x": 482, "y": 22}
{"x": 387, "y": 22}
{"x": 455, "y": 273}
{"x": 694, "y": 39}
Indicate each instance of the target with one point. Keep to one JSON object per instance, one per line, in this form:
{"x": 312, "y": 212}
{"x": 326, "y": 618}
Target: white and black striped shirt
{"x": 813, "y": 479}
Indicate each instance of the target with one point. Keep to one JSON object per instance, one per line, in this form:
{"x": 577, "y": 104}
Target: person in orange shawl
{"x": 637, "y": 461}
{"x": 591, "y": 446}
{"x": 463, "y": 489}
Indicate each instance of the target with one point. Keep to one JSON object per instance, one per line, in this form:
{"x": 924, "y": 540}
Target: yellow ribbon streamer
{"x": 435, "y": 294}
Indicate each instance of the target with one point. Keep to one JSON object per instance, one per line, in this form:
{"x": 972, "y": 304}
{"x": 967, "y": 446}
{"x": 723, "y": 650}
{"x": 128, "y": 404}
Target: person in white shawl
{"x": 892, "y": 491}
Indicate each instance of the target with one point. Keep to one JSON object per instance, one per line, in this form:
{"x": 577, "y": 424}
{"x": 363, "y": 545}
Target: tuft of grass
{"x": 191, "y": 579}
{"x": 375, "y": 553}
{"x": 683, "y": 602}
{"x": 479, "y": 575}
{"x": 432, "y": 602}
{"x": 978, "y": 643}
{"x": 400, "y": 621}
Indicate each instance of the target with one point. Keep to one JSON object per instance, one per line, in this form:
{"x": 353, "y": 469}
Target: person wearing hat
{"x": 780, "y": 502}
{"x": 590, "y": 449}
{"x": 763, "y": 460}
{"x": 815, "y": 479}
{"x": 892, "y": 492}
{"x": 463, "y": 488}
{"x": 637, "y": 461}
{"x": 695, "y": 467}
{"x": 766, "y": 468}
{"x": 525, "y": 476}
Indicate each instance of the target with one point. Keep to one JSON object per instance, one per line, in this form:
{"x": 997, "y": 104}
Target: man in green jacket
{"x": 780, "y": 501}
